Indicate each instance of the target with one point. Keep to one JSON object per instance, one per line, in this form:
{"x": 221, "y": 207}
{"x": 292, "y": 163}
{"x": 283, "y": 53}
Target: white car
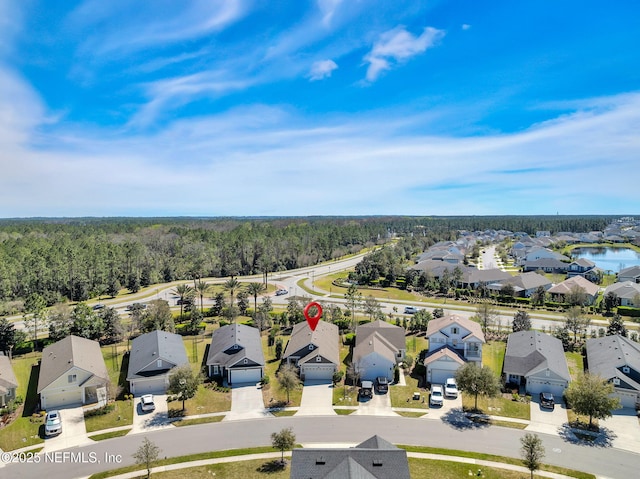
{"x": 451, "y": 388}
{"x": 410, "y": 310}
{"x": 436, "y": 397}
{"x": 52, "y": 424}
{"x": 146, "y": 403}
{"x": 281, "y": 292}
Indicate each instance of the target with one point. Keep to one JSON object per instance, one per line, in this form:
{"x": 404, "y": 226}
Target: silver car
{"x": 52, "y": 424}
{"x": 147, "y": 404}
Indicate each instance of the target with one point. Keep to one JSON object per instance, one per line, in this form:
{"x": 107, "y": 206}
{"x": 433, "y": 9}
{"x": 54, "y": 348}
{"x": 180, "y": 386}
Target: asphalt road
{"x": 602, "y": 461}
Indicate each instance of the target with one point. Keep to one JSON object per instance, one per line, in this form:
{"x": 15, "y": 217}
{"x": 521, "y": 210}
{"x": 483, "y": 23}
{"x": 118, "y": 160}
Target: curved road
{"x": 602, "y": 461}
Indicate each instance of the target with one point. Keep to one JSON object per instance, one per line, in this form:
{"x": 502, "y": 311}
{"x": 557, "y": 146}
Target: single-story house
{"x": 617, "y": 360}
{"x": 632, "y": 273}
{"x": 536, "y": 361}
{"x": 524, "y": 284}
{"x": 72, "y": 372}
{"x": 236, "y": 355}
{"x": 379, "y": 347}
{"x": 8, "y": 381}
{"x": 560, "y": 290}
{"x": 548, "y": 265}
{"x": 374, "y": 458}
{"x": 316, "y": 353}
{"x": 153, "y": 355}
{"x": 628, "y": 293}
{"x": 453, "y": 340}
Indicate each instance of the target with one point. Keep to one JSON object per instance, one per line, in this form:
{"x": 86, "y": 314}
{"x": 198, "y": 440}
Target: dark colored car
{"x": 366, "y": 389}
{"x": 546, "y": 400}
{"x": 382, "y": 384}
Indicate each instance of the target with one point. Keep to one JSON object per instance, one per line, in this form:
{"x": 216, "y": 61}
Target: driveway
{"x": 317, "y": 399}
{"x": 150, "y": 421}
{"x": 624, "y": 428}
{"x": 73, "y": 433}
{"x": 448, "y": 405}
{"x": 378, "y": 405}
{"x": 246, "y": 403}
{"x": 548, "y": 421}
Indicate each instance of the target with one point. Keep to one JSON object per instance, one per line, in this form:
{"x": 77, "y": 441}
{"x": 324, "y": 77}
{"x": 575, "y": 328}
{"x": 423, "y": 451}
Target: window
{"x": 216, "y": 369}
{"x": 455, "y": 330}
{"x": 546, "y": 373}
{"x": 159, "y": 363}
{"x": 625, "y": 369}
{"x": 72, "y": 378}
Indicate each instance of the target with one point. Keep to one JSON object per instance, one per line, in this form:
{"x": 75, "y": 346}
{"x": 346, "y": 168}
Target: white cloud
{"x": 328, "y": 9}
{"x": 466, "y": 26}
{"x": 398, "y": 45}
{"x": 322, "y": 69}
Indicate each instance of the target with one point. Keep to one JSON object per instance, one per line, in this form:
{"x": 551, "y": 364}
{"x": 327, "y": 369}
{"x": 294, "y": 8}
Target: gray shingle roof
{"x": 606, "y": 355}
{"x": 375, "y": 458}
{"x": 7, "y": 376}
{"x": 435, "y": 325}
{"x": 627, "y": 290}
{"x": 58, "y": 358}
{"x": 325, "y": 340}
{"x": 531, "y": 351}
{"x": 392, "y": 333}
{"x": 223, "y": 340}
{"x": 149, "y": 347}
{"x": 375, "y": 343}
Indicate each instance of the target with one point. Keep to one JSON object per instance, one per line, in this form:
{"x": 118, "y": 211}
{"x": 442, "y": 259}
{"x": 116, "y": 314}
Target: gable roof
{"x": 325, "y": 340}
{"x": 531, "y": 351}
{"x": 529, "y": 280}
{"x": 58, "y": 358}
{"x": 7, "y": 376}
{"x": 157, "y": 344}
{"x": 443, "y": 352}
{"x": 374, "y": 458}
{"x": 435, "y": 325}
{"x": 375, "y": 343}
{"x": 225, "y": 338}
{"x": 568, "y": 284}
{"x": 584, "y": 262}
{"x": 546, "y": 263}
{"x": 491, "y": 275}
{"x": 392, "y": 333}
{"x": 606, "y": 355}
{"x": 631, "y": 271}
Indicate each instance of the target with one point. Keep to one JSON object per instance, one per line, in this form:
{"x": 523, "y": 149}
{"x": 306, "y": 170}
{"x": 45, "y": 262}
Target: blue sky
{"x": 326, "y": 107}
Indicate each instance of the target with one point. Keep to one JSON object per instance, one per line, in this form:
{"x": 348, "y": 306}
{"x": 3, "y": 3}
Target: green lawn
{"x": 493, "y": 356}
{"x": 122, "y": 415}
{"x": 205, "y": 401}
{"x": 24, "y": 430}
{"x": 498, "y": 406}
{"x": 575, "y": 363}
{"x": 200, "y": 420}
{"x": 110, "y": 435}
{"x": 402, "y": 396}
{"x": 345, "y": 395}
{"x": 272, "y": 393}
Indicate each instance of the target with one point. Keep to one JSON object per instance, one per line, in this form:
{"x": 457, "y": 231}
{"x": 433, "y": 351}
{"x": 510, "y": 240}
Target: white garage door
{"x": 148, "y": 386}
{"x": 627, "y": 399}
{"x": 317, "y": 372}
{"x": 61, "y": 399}
{"x": 536, "y": 386}
{"x": 238, "y": 376}
{"x": 439, "y": 376}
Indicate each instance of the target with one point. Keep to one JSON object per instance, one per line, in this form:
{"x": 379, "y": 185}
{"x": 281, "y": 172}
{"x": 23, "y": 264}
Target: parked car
{"x": 146, "y": 403}
{"x": 451, "y": 388}
{"x": 382, "y": 384}
{"x": 97, "y": 307}
{"x": 281, "y": 292}
{"x": 52, "y": 424}
{"x": 366, "y": 389}
{"x": 410, "y": 310}
{"x": 436, "y": 397}
{"x": 547, "y": 400}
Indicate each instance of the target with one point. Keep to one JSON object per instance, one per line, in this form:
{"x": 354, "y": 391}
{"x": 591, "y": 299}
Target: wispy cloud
{"x": 465, "y": 26}
{"x": 397, "y": 46}
{"x": 328, "y": 9}
{"x": 322, "y": 69}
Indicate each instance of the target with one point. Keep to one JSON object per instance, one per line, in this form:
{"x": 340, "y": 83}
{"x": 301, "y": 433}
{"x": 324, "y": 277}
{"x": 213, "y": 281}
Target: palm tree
{"x": 201, "y": 287}
{"x": 254, "y": 289}
{"x": 232, "y": 285}
{"x": 184, "y": 291}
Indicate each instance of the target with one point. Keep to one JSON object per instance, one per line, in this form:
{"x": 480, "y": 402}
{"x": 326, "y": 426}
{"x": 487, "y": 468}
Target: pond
{"x": 609, "y": 259}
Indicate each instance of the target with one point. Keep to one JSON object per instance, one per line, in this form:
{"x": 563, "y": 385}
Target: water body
{"x": 609, "y": 259}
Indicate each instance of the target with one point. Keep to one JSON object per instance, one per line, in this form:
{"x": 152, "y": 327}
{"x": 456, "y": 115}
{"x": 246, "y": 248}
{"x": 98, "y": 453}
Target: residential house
{"x": 537, "y": 253}
{"x": 631, "y": 273}
{"x": 453, "y": 340}
{"x": 537, "y": 362}
{"x": 8, "y": 381}
{"x": 236, "y": 355}
{"x": 472, "y": 278}
{"x": 153, "y": 355}
{"x": 548, "y": 265}
{"x": 379, "y": 347}
{"x": 72, "y": 372}
{"x": 560, "y": 290}
{"x": 374, "y": 458}
{"x": 628, "y": 293}
{"x": 585, "y": 268}
{"x": 316, "y": 353}
{"x": 617, "y": 360}
{"x": 524, "y": 284}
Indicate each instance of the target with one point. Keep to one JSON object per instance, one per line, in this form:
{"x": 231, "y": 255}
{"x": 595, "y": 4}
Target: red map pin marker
{"x": 312, "y": 321}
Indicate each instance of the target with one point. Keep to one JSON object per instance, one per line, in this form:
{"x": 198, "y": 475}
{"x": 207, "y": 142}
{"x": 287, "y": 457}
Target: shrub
{"x": 349, "y": 339}
{"x": 100, "y": 411}
{"x": 265, "y": 380}
{"x": 629, "y": 311}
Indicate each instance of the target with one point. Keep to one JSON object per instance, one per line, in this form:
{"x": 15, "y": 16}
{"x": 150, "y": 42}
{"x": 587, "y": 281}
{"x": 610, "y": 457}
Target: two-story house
{"x": 453, "y": 340}
{"x": 585, "y": 268}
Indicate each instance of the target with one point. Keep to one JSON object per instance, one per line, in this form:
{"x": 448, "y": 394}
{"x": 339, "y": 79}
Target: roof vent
{"x": 320, "y": 460}
{"x": 154, "y": 353}
{"x": 377, "y": 463}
